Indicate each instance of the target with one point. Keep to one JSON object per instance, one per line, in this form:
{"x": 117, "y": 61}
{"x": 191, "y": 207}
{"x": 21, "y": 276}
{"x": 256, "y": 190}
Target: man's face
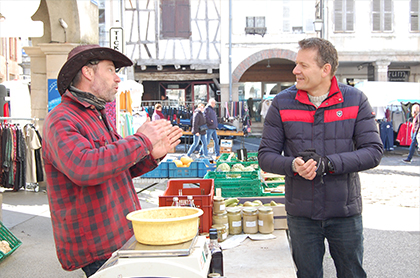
{"x": 105, "y": 81}
{"x": 213, "y": 103}
{"x": 308, "y": 73}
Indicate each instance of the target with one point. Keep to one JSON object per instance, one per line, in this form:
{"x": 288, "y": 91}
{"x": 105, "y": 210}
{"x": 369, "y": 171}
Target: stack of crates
{"x": 202, "y": 191}
{"x": 237, "y": 184}
{"x": 6, "y": 235}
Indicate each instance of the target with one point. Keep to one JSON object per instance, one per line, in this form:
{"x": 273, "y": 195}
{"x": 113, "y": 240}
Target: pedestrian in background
{"x": 89, "y": 166}
{"x": 414, "y": 131}
{"x": 320, "y": 133}
{"x": 199, "y": 134}
{"x": 212, "y": 124}
{"x": 157, "y": 114}
{"x": 264, "y": 109}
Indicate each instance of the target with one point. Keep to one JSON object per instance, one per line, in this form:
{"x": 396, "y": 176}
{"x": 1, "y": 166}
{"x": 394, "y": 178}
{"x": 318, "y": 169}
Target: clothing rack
{"x": 20, "y": 147}
{"x": 21, "y": 119}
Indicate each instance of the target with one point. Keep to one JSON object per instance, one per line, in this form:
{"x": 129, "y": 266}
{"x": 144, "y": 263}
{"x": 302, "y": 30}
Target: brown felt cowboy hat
{"x": 81, "y": 55}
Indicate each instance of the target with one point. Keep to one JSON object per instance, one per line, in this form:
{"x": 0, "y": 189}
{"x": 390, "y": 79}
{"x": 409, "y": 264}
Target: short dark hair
{"x": 327, "y": 54}
{"x": 78, "y": 77}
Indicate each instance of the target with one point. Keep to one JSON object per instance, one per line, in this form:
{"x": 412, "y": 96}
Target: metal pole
{"x": 230, "y": 50}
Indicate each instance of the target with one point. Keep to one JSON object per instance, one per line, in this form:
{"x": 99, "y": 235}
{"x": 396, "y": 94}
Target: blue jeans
{"x": 345, "y": 240}
{"x": 212, "y": 134}
{"x": 196, "y": 140}
{"x": 413, "y": 146}
{"x": 91, "y": 269}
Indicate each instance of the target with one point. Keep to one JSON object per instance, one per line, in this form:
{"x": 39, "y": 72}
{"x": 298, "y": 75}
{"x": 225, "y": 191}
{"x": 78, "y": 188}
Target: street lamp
{"x": 318, "y": 25}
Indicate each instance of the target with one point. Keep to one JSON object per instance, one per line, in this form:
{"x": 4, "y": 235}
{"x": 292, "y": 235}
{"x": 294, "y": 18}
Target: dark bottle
{"x": 216, "y": 264}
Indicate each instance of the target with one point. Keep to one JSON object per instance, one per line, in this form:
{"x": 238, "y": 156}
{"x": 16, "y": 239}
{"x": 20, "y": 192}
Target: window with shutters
{"x": 255, "y": 25}
{"x": 175, "y": 19}
{"x": 344, "y": 15}
{"x": 382, "y": 14}
{"x": 414, "y": 15}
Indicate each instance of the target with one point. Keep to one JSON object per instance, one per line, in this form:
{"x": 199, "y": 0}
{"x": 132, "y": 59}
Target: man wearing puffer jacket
{"x": 320, "y": 133}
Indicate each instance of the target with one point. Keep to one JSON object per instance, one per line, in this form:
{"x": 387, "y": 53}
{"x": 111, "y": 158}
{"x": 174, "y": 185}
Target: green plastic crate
{"x": 6, "y": 235}
{"x": 247, "y": 185}
{"x": 224, "y": 156}
{"x": 245, "y": 163}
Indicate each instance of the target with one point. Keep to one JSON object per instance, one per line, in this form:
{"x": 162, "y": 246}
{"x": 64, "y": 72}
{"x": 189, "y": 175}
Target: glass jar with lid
{"x": 222, "y": 232}
{"x": 221, "y": 218}
{"x": 265, "y": 220}
{"x": 235, "y": 220}
{"x": 249, "y": 221}
{"x": 218, "y": 205}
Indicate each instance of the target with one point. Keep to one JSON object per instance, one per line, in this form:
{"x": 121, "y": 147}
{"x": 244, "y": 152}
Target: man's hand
{"x": 306, "y": 170}
{"x": 155, "y": 130}
{"x": 163, "y": 136}
{"x": 321, "y": 162}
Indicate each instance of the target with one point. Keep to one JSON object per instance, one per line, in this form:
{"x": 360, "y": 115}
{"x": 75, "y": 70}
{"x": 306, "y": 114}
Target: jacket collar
{"x": 334, "y": 97}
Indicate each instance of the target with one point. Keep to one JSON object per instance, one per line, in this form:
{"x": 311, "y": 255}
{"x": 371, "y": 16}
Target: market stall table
{"x": 260, "y": 258}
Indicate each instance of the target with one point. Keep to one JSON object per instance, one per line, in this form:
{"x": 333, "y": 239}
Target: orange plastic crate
{"x": 202, "y": 191}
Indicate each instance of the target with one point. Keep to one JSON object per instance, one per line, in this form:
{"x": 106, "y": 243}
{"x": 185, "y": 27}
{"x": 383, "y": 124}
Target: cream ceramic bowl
{"x": 165, "y": 225}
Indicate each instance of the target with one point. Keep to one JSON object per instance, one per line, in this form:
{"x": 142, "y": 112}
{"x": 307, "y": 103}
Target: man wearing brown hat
{"x": 89, "y": 166}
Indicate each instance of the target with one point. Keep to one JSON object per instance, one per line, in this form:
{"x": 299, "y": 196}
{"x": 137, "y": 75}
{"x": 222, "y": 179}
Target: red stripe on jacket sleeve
{"x": 341, "y": 114}
{"x": 297, "y": 116}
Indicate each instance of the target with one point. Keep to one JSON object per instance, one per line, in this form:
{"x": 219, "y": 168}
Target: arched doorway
{"x": 263, "y": 73}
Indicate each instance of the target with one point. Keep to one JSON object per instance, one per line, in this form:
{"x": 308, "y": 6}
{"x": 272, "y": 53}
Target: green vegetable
{"x": 223, "y": 167}
{"x": 238, "y": 167}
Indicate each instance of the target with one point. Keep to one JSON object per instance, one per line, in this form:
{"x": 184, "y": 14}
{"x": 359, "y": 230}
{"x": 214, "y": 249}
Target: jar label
{"x": 222, "y": 206}
{"x": 250, "y": 223}
{"x": 224, "y": 236}
{"x": 236, "y": 223}
{"x": 260, "y": 223}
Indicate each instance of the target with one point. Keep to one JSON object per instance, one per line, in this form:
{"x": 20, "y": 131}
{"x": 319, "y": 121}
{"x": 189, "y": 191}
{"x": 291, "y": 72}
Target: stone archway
{"x": 259, "y": 56}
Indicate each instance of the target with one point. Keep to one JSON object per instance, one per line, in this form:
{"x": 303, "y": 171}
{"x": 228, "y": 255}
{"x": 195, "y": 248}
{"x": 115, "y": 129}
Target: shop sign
{"x": 398, "y": 75}
{"x": 116, "y": 39}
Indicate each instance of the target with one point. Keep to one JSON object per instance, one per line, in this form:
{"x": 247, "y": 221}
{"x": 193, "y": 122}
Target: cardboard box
{"x": 210, "y": 146}
{"x": 226, "y": 146}
{"x": 280, "y": 221}
{"x": 226, "y": 143}
{"x": 225, "y": 150}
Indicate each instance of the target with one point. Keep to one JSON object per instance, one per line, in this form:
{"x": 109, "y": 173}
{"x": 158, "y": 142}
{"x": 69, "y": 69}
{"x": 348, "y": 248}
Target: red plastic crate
{"x": 202, "y": 191}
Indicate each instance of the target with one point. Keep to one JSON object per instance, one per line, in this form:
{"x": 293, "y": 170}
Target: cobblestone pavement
{"x": 393, "y": 182}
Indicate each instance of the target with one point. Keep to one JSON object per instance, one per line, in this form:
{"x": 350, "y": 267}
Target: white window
{"x": 344, "y": 15}
{"x": 255, "y": 25}
{"x": 414, "y": 15}
{"x": 382, "y": 15}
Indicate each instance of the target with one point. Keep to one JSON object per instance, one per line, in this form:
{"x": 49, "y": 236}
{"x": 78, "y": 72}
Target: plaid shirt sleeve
{"x": 89, "y": 182}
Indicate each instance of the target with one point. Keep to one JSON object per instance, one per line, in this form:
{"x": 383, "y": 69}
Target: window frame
{"x": 381, "y": 16}
{"x": 346, "y": 16}
{"x": 414, "y": 14}
{"x": 175, "y": 19}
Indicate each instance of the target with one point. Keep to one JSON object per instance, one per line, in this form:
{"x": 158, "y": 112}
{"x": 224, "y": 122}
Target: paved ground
{"x": 391, "y": 220}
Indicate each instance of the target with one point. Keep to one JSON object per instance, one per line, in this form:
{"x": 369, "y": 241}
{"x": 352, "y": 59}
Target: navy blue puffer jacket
{"x": 342, "y": 128}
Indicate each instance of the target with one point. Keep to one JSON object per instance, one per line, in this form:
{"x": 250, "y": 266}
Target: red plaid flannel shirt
{"x": 89, "y": 170}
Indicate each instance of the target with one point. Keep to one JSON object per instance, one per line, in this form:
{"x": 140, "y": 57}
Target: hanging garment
{"x": 404, "y": 134}
{"x": 32, "y": 144}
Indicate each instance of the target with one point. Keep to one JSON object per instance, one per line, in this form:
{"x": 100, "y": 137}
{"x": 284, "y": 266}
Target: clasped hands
{"x": 163, "y": 136}
{"x": 309, "y": 164}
